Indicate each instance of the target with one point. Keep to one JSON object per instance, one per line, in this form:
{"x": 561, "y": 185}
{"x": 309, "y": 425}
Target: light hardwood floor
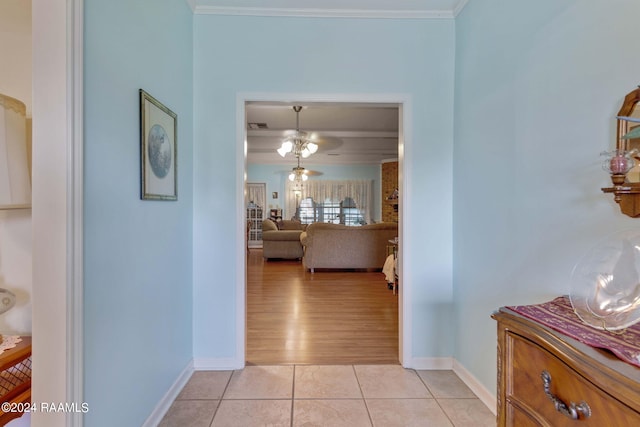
{"x": 329, "y": 317}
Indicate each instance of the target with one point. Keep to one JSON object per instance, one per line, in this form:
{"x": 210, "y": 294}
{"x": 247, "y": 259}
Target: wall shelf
{"x": 625, "y": 157}
{"x": 627, "y": 195}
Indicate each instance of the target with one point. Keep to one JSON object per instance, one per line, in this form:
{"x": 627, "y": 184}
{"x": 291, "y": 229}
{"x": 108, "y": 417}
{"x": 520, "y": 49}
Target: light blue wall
{"x": 537, "y": 88}
{"x": 276, "y": 176}
{"x": 138, "y": 254}
{"x": 322, "y": 56}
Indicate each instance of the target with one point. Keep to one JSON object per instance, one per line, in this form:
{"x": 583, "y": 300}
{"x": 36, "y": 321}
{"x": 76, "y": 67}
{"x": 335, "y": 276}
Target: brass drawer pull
{"x": 572, "y": 411}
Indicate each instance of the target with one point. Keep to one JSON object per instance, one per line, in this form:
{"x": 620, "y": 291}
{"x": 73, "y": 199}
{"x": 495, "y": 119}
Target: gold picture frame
{"x": 158, "y": 150}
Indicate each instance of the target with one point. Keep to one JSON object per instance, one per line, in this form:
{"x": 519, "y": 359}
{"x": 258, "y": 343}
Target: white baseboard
{"x": 449, "y": 363}
{"x": 217, "y": 364}
{"x": 165, "y": 403}
{"x": 484, "y": 394}
{"x": 431, "y": 363}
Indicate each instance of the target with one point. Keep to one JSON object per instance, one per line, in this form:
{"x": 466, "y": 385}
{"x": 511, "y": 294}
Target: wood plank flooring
{"x": 329, "y": 317}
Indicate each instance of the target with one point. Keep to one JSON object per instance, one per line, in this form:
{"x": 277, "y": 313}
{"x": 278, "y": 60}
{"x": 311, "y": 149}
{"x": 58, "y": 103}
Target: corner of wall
{"x": 165, "y": 403}
{"x": 484, "y": 394}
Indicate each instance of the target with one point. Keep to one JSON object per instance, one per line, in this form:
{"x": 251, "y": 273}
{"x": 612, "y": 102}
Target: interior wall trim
{"x": 451, "y": 364}
{"x": 484, "y": 394}
{"x": 459, "y": 7}
{"x": 57, "y": 214}
{"x": 431, "y": 363}
{"x": 325, "y": 13}
{"x": 165, "y": 403}
{"x": 217, "y": 363}
{"x": 404, "y": 102}
{"x": 75, "y": 209}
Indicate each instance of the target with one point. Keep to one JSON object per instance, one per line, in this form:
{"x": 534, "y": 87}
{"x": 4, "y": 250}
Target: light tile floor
{"x": 317, "y": 395}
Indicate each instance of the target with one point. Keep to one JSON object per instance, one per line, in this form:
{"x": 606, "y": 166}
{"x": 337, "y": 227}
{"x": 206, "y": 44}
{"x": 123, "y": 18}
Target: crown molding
{"x": 461, "y": 4}
{"x": 325, "y": 13}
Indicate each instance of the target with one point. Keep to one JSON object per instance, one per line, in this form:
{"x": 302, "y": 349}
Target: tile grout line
{"x": 226, "y": 386}
{"x": 293, "y": 394}
{"x": 366, "y": 407}
{"x": 423, "y": 380}
{"x": 435, "y": 398}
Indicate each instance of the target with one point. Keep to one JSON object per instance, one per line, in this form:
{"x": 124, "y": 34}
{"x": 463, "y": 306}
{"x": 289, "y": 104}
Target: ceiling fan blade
{"x": 306, "y": 172}
{"x": 327, "y": 143}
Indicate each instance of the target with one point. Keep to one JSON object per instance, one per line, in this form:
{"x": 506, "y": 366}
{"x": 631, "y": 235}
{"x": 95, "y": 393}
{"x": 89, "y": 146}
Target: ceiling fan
{"x": 299, "y": 173}
{"x": 301, "y": 143}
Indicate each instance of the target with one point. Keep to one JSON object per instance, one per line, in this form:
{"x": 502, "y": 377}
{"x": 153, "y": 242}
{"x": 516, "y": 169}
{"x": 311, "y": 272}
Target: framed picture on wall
{"x": 158, "y": 150}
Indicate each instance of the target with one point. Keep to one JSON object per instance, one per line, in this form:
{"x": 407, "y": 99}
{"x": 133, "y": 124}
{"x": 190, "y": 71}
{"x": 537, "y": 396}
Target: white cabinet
{"x": 254, "y": 226}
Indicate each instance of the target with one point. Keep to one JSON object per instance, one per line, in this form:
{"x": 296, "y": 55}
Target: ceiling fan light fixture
{"x": 298, "y": 174}
{"x": 300, "y": 143}
{"x": 285, "y": 148}
{"x": 309, "y": 149}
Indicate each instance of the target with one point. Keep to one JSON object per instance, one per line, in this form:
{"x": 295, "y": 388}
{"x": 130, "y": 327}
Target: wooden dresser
{"x": 545, "y": 378}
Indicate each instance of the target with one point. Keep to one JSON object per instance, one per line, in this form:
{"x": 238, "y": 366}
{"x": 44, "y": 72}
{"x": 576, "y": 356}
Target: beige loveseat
{"x": 341, "y": 246}
{"x": 281, "y": 239}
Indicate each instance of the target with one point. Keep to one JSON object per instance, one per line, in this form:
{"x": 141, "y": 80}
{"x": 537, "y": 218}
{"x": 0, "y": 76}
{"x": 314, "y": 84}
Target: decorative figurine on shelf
{"x": 618, "y": 163}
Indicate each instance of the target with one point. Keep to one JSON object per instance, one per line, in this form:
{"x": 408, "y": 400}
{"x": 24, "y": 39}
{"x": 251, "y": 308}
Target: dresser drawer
{"x": 528, "y": 404}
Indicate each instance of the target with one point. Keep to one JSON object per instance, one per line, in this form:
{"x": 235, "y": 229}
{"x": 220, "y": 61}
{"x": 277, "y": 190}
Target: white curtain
{"x": 292, "y": 197}
{"x": 335, "y": 191}
{"x": 256, "y": 193}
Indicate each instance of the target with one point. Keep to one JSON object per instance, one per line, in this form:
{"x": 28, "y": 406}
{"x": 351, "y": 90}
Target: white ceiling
{"x": 355, "y": 8}
{"x": 346, "y": 133}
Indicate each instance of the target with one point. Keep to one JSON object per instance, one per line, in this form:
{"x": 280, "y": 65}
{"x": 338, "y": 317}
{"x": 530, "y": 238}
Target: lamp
{"x": 300, "y": 143}
{"x": 298, "y": 173}
{"x": 15, "y": 185}
{"x": 7, "y": 300}
{"x": 618, "y": 162}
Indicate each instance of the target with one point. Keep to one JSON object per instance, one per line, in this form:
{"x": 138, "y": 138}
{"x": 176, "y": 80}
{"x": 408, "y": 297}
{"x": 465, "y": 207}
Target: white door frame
{"x": 404, "y": 151}
{"x": 57, "y": 204}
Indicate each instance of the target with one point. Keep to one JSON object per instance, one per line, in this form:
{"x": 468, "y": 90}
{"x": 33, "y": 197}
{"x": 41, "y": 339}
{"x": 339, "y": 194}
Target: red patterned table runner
{"x": 558, "y": 314}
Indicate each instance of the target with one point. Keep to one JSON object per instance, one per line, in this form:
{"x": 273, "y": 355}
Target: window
{"x": 344, "y": 212}
{"x": 344, "y": 202}
{"x": 307, "y": 211}
{"x": 349, "y": 213}
{"x": 331, "y": 212}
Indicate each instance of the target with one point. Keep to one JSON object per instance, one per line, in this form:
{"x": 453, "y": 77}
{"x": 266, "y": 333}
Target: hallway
{"x": 322, "y": 350}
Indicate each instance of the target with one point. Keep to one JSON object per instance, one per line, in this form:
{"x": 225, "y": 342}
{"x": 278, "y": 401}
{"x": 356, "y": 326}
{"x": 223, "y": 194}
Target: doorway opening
{"x": 402, "y": 319}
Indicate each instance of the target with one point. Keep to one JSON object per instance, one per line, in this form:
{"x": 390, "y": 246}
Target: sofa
{"x": 345, "y": 247}
{"x": 281, "y": 239}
